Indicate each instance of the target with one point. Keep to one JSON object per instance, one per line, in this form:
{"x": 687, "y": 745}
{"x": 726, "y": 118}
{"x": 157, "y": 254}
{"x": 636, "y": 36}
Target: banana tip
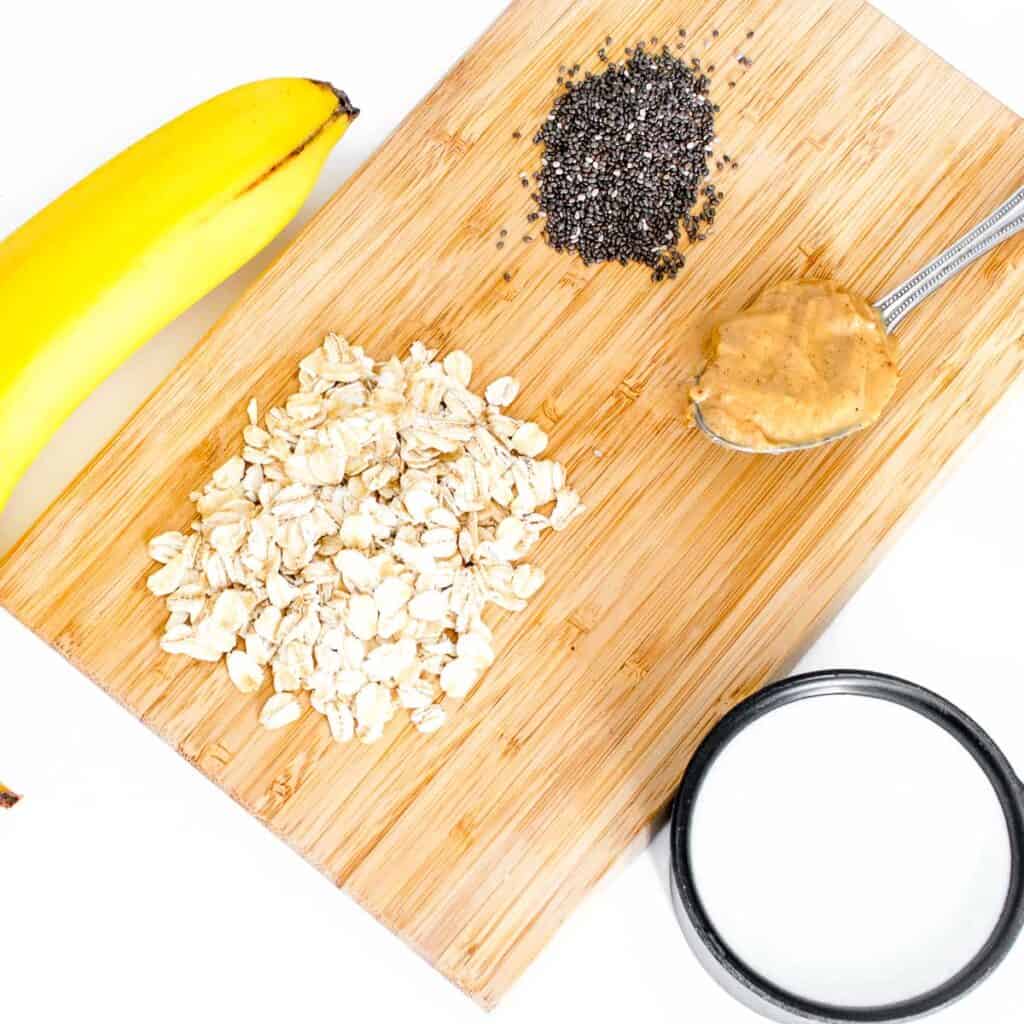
{"x": 344, "y": 103}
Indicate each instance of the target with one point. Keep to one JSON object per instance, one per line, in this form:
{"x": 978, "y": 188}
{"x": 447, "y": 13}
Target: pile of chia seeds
{"x": 625, "y": 161}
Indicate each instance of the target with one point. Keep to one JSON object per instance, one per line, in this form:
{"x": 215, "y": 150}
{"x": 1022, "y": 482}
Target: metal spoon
{"x": 996, "y": 228}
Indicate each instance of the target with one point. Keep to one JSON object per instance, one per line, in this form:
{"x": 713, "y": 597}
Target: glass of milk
{"x": 848, "y": 846}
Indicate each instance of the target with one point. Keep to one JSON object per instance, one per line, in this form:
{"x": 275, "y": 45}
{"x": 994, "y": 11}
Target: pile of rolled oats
{"x": 349, "y": 553}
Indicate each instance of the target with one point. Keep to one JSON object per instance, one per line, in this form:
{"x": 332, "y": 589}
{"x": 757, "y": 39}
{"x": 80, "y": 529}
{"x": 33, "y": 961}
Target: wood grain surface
{"x": 697, "y": 575}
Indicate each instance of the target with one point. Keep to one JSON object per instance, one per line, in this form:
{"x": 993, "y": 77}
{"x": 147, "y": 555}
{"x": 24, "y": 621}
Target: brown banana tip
{"x": 344, "y": 103}
{"x": 7, "y": 798}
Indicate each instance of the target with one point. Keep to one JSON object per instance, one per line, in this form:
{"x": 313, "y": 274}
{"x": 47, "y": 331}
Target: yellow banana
{"x": 123, "y": 252}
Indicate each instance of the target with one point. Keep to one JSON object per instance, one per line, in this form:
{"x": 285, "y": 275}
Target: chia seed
{"x": 625, "y": 163}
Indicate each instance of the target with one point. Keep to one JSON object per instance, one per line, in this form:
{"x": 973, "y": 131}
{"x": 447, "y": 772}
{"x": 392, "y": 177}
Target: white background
{"x": 130, "y": 886}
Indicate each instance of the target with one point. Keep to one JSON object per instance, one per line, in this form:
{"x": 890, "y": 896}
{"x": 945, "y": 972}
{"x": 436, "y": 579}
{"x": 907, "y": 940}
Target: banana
{"x": 8, "y": 798}
{"x": 122, "y": 253}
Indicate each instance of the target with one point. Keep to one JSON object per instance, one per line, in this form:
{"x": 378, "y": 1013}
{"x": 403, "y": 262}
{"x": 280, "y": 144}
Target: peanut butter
{"x": 808, "y": 360}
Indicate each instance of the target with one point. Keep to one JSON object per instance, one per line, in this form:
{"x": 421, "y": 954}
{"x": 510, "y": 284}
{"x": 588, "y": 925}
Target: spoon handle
{"x": 996, "y": 228}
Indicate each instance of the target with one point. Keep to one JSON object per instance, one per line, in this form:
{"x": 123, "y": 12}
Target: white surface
{"x": 850, "y": 850}
{"x": 132, "y": 887}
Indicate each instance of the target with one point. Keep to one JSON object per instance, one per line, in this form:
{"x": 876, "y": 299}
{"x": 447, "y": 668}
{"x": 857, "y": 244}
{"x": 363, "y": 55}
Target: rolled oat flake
{"x": 624, "y": 162}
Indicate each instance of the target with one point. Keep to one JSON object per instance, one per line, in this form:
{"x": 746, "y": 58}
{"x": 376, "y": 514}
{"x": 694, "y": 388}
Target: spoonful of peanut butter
{"x": 807, "y": 361}
{"x": 811, "y": 361}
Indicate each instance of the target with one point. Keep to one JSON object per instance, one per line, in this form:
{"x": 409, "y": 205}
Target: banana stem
{"x": 8, "y": 798}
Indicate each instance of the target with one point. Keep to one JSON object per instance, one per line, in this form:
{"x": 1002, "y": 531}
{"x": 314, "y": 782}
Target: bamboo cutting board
{"x": 697, "y": 574}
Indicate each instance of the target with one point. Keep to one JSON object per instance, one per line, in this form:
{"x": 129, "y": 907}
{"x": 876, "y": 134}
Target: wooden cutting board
{"x": 696, "y": 576}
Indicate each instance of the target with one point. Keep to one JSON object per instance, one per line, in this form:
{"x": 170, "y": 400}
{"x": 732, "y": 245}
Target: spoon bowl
{"x": 1004, "y": 223}
{"x": 698, "y": 418}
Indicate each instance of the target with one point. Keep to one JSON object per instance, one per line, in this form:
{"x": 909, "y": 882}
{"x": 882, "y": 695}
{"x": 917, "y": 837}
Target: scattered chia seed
{"x": 750, "y": 33}
{"x": 527, "y": 238}
{"x": 607, "y": 40}
{"x": 625, "y": 158}
{"x": 507, "y": 276}
{"x": 732, "y": 85}
{"x": 500, "y": 245}
{"x": 503, "y": 232}
{"x": 711, "y": 69}
{"x": 715, "y": 33}
{"x": 517, "y": 135}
